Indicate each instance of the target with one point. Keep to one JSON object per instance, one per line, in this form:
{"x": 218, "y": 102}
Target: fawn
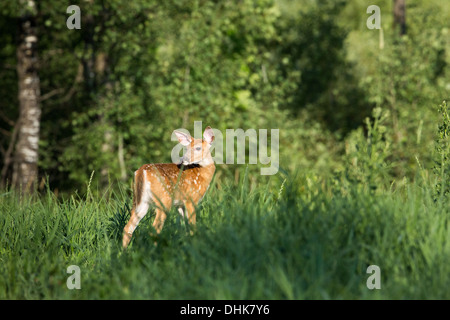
{"x": 167, "y": 184}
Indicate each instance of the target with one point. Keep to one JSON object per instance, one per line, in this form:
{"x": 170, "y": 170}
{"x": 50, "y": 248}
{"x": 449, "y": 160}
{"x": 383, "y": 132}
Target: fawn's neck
{"x": 206, "y": 172}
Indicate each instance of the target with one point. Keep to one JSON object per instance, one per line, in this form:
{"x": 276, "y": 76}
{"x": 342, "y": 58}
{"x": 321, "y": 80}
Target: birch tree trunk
{"x": 26, "y": 150}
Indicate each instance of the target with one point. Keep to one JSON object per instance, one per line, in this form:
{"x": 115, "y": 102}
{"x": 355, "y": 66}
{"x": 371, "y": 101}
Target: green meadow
{"x": 302, "y": 239}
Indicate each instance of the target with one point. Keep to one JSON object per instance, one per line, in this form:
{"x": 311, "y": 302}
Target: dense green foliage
{"x": 364, "y": 150}
{"x": 114, "y": 90}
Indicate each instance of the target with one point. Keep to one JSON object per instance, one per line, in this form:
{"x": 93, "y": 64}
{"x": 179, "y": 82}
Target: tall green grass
{"x": 302, "y": 239}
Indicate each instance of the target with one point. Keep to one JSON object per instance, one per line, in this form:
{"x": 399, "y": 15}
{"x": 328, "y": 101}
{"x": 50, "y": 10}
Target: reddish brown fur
{"x": 138, "y": 184}
{"x": 177, "y": 183}
{"x": 166, "y": 183}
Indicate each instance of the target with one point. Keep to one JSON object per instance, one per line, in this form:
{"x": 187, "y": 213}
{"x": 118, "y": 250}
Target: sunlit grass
{"x": 299, "y": 241}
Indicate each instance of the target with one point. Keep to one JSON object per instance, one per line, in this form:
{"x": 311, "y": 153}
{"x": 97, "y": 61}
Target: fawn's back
{"x": 169, "y": 183}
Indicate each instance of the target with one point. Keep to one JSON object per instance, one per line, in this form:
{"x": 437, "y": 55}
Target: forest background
{"x": 364, "y": 147}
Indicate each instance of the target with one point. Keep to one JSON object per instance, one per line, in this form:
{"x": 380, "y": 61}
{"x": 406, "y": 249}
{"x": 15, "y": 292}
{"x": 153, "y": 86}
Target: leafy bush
{"x": 442, "y": 146}
{"x": 368, "y": 153}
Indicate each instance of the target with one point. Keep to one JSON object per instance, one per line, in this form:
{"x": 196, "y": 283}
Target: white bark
{"x": 26, "y": 150}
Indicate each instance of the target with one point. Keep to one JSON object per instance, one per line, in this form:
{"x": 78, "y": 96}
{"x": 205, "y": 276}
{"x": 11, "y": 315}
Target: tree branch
{"x": 6, "y": 119}
{"x": 8, "y": 158}
{"x": 50, "y": 94}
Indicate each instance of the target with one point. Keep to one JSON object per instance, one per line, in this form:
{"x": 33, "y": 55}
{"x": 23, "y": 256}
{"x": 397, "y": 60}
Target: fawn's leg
{"x": 158, "y": 223}
{"x": 141, "y": 200}
{"x": 137, "y": 213}
{"x": 127, "y": 230}
{"x": 181, "y": 212}
{"x": 190, "y": 213}
{"x": 163, "y": 207}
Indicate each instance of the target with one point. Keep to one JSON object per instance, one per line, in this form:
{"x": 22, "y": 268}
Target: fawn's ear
{"x": 208, "y": 135}
{"x": 184, "y": 139}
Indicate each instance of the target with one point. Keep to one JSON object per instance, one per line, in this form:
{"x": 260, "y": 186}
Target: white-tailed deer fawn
{"x": 167, "y": 184}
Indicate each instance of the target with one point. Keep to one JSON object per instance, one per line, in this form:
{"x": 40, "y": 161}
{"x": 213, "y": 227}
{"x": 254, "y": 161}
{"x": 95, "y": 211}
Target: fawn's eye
{"x": 198, "y": 148}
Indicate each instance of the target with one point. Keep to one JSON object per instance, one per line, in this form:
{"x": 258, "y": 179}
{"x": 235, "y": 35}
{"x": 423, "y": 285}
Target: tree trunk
{"x": 26, "y": 151}
{"x": 400, "y": 16}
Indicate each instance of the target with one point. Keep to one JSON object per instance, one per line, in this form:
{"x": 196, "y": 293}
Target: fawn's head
{"x": 198, "y": 150}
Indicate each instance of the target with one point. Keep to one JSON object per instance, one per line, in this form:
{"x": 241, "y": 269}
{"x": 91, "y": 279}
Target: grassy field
{"x": 301, "y": 238}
